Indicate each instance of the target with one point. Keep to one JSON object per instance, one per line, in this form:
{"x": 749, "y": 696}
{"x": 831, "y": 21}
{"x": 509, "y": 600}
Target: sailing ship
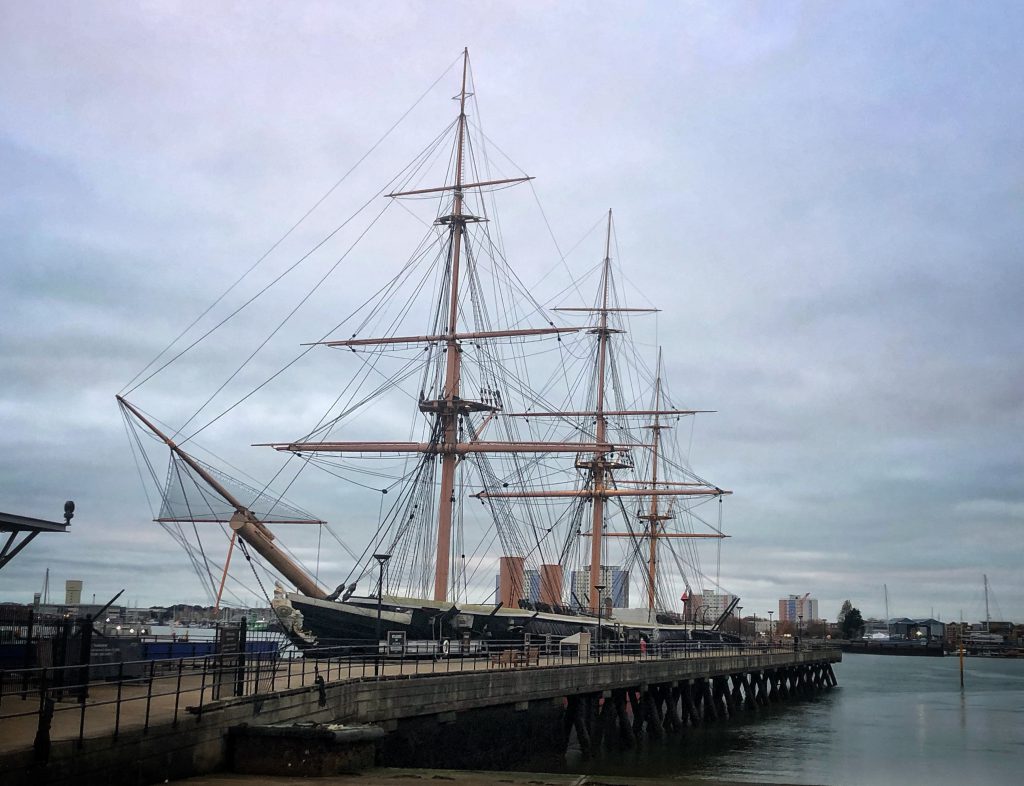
{"x": 528, "y": 427}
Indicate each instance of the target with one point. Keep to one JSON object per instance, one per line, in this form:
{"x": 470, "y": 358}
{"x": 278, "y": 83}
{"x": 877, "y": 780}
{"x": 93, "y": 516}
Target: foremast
{"x": 450, "y": 406}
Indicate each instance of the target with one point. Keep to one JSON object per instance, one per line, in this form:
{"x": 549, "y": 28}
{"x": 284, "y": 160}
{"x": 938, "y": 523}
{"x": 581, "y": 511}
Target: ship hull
{"x": 350, "y": 625}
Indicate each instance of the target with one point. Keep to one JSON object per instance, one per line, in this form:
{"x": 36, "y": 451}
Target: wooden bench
{"x": 506, "y": 658}
{"x": 530, "y": 655}
{"x": 527, "y": 656}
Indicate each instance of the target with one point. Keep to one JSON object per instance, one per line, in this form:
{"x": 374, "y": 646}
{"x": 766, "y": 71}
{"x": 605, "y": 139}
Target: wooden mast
{"x": 602, "y": 467}
{"x": 599, "y": 466}
{"x": 449, "y": 416}
{"x": 653, "y": 519}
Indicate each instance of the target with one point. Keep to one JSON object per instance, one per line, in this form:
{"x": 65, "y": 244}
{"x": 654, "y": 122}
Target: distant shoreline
{"x": 387, "y": 776}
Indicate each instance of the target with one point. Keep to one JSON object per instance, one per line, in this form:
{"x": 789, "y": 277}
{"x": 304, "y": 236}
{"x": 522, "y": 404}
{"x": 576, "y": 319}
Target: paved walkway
{"x": 161, "y": 702}
{"x": 19, "y": 717}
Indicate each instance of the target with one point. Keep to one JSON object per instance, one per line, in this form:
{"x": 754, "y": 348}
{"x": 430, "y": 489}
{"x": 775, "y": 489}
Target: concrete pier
{"x": 609, "y": 702}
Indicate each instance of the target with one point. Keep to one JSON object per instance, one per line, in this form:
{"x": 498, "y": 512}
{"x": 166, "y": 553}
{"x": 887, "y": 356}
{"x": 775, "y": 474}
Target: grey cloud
{"x": 826, "y": 205}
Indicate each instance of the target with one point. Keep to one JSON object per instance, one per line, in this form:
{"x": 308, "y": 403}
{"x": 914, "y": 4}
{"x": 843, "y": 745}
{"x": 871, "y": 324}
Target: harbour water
{"x": 892, "y": 720}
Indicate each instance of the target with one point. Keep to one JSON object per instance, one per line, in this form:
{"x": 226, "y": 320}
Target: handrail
{"x": 69, "y": 702}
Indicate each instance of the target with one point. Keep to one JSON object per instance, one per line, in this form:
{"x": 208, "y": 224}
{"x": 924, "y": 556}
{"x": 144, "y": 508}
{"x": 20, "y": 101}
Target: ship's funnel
{"x": 551, "y": 584}
{"x": 510, "y": 581}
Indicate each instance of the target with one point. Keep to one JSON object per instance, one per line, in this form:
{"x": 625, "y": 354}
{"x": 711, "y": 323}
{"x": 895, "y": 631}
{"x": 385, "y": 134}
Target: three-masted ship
{"x": 555, "y": 472}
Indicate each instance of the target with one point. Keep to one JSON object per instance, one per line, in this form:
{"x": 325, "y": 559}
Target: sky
{"x": 824, "y": 199}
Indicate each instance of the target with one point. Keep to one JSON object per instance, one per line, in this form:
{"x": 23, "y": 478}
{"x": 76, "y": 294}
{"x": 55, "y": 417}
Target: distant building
{"x": 613, "y": 577}
{"x": 709, "y": 606}
{"x": 73, "y": 592}
{"x": 532, "y": 585}
{"x": 794, "y": 607}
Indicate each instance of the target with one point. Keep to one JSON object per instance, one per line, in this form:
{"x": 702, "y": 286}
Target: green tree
{"x": 852, "y": 624}
{"x": 847, "y": 606}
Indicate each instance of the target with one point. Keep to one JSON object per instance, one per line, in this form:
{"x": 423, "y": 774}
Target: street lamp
{"x": 382, "y": 560}
{"x": 799, "y": 627}
{"x": 600, "y": 589}
{"x": 739, "y": 621}
{"x": 771, "y": 629}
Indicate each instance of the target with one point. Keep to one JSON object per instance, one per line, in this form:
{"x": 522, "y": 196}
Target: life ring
{"x": 446, "y": 647}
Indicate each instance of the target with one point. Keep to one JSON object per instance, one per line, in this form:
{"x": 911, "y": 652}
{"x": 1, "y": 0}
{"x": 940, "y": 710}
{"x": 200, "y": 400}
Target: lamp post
{"x": 799, "y": 627}
{"x": 771, "y": 629}
{"x": 600, "y": 589}
{"x": 739, "y": 622}
{"x": 382, "y": 560}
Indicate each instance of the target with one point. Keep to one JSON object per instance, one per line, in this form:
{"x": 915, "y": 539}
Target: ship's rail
{"x": 38, "y": 705}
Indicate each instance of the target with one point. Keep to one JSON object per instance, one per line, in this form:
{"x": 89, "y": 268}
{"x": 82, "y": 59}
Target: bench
{"x": 530, "y": 655}
{"x": 527, "y": 656}
{"x": 506, "y": 658}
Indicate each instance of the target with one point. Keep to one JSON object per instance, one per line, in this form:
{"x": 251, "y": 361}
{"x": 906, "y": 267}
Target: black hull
{"x": 350, "y": 626}
{"x": 911, "y": 649}
{"x": 339, "y": 625}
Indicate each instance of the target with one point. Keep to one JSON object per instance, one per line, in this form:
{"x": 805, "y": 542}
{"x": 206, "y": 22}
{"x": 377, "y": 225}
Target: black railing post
{"x": 149, "y": 696}
{"x": 84, "y": 659}
{"x": 81, "y": 725}
{"x": 256, "y": 677}
{"x": 240, "y": 672}
{"x": 29, "y": 660}
{"x": 177, "y": 691}
{"x": 202, "y": 685}
{"x": 120, "y": 685}
{"x": 41, "y": 745}
{"x": 60, "y": 658}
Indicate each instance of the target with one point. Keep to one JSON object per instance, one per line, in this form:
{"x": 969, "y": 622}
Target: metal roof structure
{"x": 15, "y": 525}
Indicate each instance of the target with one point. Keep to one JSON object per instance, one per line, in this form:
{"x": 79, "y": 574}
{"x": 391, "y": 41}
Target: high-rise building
{"x": 613, "y": 577}
{"x": 794, "y": 607}
{"x": 709, "y": 606}
{"x": 72, "y": 592}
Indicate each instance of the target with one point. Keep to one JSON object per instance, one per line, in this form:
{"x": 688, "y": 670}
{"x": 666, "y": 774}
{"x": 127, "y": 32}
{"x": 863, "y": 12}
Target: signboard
{"x": 230, "y": 672}
{"x": 396, "y": 642}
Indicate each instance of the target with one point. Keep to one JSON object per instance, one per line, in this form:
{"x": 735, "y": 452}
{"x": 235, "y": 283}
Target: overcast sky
{"x": 825, "y": 199}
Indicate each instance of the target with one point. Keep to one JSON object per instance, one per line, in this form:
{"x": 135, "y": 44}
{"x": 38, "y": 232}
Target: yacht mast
{"x": 888, "y": 626}
{"x": 988, "y": 619}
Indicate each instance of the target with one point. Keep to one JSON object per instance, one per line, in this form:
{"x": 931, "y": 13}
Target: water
{"x": 892, "y": 720}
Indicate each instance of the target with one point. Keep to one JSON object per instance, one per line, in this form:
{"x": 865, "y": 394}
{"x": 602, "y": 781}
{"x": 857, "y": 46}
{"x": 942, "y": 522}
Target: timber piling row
{"x": 620, "y": 717}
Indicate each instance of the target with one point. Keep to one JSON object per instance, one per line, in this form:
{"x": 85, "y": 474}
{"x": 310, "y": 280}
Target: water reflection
{"x": 893, "y": 719}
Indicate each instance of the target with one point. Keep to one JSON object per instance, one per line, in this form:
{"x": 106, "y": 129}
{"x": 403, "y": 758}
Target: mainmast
{"x": 448, "y": 415}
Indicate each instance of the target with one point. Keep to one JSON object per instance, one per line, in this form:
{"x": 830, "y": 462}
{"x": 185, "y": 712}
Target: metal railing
{"x": 78, "y": 702}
